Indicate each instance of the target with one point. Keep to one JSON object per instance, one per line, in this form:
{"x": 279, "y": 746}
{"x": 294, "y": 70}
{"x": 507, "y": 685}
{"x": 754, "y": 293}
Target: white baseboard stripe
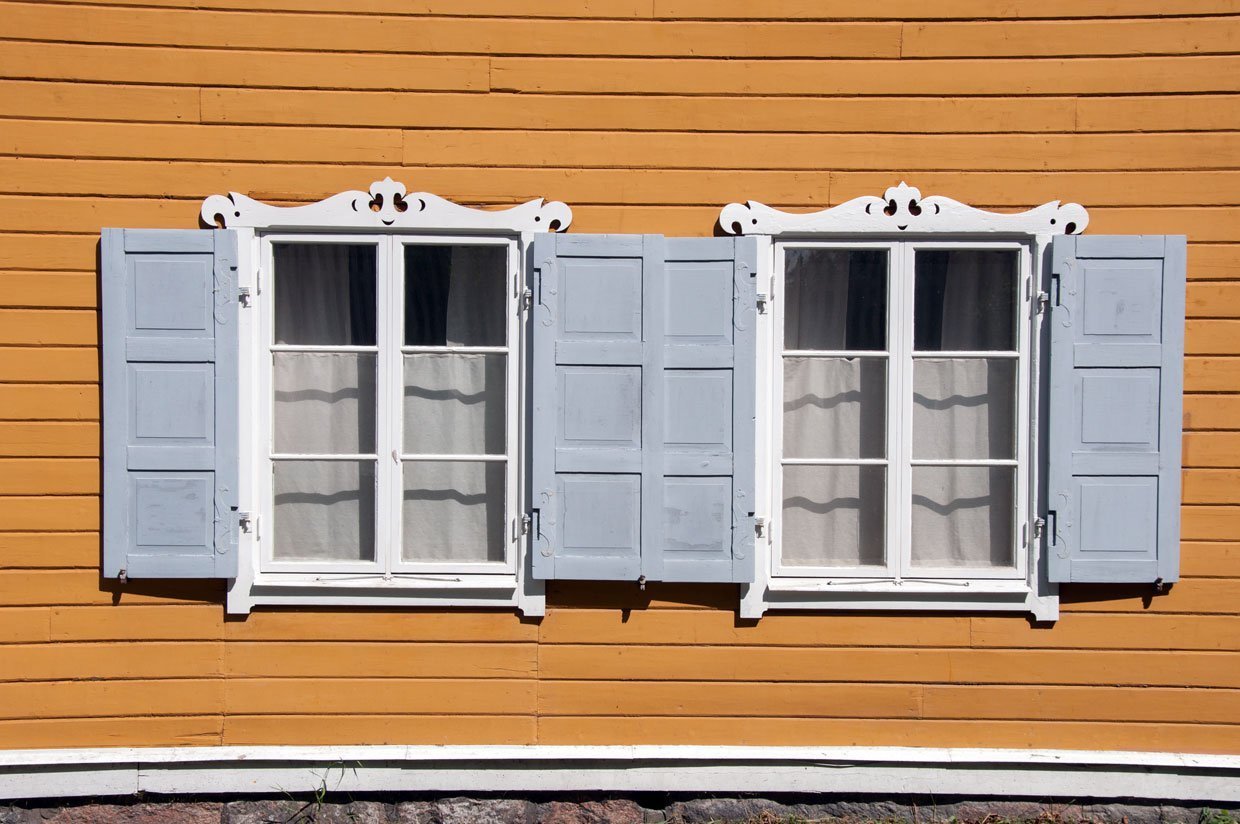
{"x": 883, "y": 771}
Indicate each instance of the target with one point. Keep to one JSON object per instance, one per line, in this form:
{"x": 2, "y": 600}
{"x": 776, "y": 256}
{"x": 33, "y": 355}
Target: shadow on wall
{"x": 1095, "y": 593}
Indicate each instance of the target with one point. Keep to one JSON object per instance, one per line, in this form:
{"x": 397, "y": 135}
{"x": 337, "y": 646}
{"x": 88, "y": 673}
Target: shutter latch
{"x": 527, "y": 299}
{"x": 1043, "y": 300}
{"x": 759, "y": 527}
{"x": 244, "y": 297}
{"x": 764, "y": 301}
{"x": 1039, "y": 524}
{"x": 525, "y": 523}
{"x": 248, "y": 522}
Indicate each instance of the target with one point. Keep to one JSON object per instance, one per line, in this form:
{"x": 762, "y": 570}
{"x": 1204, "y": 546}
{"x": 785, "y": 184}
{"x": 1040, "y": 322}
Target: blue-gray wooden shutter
{"x": 643, "y": 393}
{"x": 1116, "y": 379}
{"x": 170, "y": 416}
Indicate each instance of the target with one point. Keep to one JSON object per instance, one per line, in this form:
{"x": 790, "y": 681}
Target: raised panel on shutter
{"x": 642, "y": 401}
{"x": 170, "y": 417}
{"x": 1116, "y": 379}
{"x": 708, "y": 412}
{"x": 586, "y": 386}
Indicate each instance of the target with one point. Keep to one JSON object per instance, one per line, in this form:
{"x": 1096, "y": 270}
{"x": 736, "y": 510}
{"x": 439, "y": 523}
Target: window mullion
{"x": 390, "y": 410}
{"x": 901, "y": 410}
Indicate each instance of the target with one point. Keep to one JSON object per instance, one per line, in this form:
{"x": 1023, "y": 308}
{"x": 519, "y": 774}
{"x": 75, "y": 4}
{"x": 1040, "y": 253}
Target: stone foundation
{"x": 459, "y": 810}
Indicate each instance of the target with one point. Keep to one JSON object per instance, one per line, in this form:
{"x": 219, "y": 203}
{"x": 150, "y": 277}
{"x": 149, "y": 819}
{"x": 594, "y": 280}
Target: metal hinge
{"x": 1039, "y": 527}
{"x": 1043, "y": 300}
{"x": 527, "y": 299}
{"x": 526, "y": 520}
{"x": 248, "y": 522}
{"x": 759, "y": 527}
{"x": 764, "y": 301}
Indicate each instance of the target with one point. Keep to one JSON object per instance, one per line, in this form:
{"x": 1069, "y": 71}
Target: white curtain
{"x": 325, "y": 403}
{"x": 454, "y": 511}
{"x": 324, "y": 510}
{"x": 455, "y": 404}
{"x": 835, "y": 407}
{"x": 964, "y": 408}
{"x": 833, "y": 515}
{"x": 962, "y": 516}
{"x": 835, "y": 299}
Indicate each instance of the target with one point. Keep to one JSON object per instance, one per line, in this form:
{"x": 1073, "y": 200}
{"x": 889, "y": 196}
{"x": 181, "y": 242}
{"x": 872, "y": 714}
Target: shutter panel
{"x": 643, "y": 407}
{"x": 1116, "y": 380}
{"x": 170, "y": 416}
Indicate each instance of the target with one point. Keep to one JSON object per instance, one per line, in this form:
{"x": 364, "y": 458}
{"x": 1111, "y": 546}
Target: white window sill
{"x": 430, "y": 590}
{"x": 915, "y": 596}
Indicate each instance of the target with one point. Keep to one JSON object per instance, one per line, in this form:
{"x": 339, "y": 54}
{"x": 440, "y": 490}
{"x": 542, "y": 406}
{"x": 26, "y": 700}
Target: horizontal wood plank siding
{"x": 645, "y": 116}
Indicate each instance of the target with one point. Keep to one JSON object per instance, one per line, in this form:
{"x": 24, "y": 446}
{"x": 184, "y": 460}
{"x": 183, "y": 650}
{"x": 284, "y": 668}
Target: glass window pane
{"x": 455, "y": 404}
{"x": 453, "y": 511}
{"x": 324, "y": 510}
{"x": 965, "y": 300}
{"x": 963, "y": 516}
{"x": 324, "y": 403}
{"x": 834, "y": 516}
{"x": 835, "y": 407}
{"x": 835, "y": 299}
{"x": 455, "y": 295}
{"x": 964, "y": 408}
{"x": 325, "y": 294}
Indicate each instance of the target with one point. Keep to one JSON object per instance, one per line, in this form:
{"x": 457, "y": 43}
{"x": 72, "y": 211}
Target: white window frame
{"x": 389, "y": 456}
{"x": 900, "y": 358}
{"x": 390, "y": 217}
{"x": 900, "y": 215}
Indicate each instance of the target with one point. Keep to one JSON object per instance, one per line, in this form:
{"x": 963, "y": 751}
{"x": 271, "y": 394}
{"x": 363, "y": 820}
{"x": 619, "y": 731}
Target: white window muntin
{"x": 389, "y": 349}
{"x": 900, "y": 356}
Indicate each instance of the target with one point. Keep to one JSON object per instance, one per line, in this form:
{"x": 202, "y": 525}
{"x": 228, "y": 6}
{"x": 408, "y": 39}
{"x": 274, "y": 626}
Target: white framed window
{"x": 901, "y": 385}
{"x": 900, "y": 379}
{"x": 389, "y": 404}
{"x": 382, "y": 389}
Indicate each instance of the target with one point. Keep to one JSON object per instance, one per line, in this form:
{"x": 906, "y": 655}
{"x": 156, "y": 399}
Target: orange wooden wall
{"x": 644, "y": 115}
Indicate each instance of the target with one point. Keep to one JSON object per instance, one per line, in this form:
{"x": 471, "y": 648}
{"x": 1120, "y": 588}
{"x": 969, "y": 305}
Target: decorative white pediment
{"x": 902, "y": 210}
{"x": 386, "y": 206}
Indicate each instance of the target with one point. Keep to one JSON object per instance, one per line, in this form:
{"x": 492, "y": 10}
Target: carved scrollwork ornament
{"x": 902, "y": 210}
{"x": 387, "y": 205}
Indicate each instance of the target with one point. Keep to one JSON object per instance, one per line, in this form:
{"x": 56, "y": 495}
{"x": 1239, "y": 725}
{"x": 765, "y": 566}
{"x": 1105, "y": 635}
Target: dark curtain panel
{"x": 362, "y": 299}
{"x": 325, "y": 294}
{"x": 965, "y": 300}
{"x": 428, "y": 285}
{"x": 867, "y": 305}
